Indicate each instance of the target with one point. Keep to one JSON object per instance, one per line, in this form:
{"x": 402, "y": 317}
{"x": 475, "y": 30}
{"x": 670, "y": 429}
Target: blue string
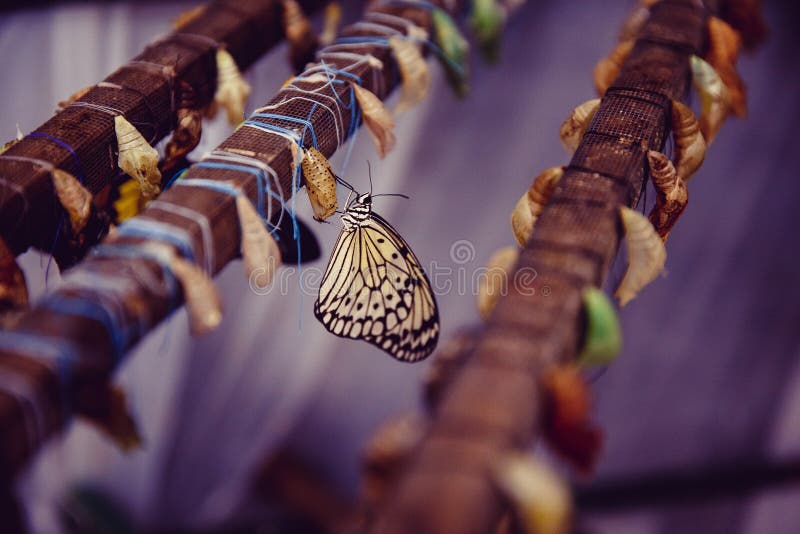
{"x": 421, "y": 4}
{"x": 261, "y": 179}
{"x": 91, "y": 309}
{"x": 150, "y": 229}
{"x": 175, "y": 177}
{"x": 45, "y": 348}
{"x": 66, "y": 147}
{"x": 130, "y": 251}
{"x": 221, "y": 187}
{"x": 305, "y": 122}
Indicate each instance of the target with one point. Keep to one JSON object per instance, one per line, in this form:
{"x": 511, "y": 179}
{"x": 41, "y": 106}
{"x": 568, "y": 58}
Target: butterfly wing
{"x": 375, "y": 289}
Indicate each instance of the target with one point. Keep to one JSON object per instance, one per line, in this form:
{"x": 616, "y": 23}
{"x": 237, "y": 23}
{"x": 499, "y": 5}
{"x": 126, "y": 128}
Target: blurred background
{"x": 701, "y": 412}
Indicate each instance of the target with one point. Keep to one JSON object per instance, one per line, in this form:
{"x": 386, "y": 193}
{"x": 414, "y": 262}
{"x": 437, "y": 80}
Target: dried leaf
{"x": 377, "y": 118}
{"x": 671, "y": 194}
{"x": 76, "y": 199}
{"x": 299, "y": 34}
{"x": 690, "y": 146}
{"x": 137, "y": 158}
{"x": 540, "y": 499}
{"x": 260, "y": 252}
{"x": 454, "y": 51}
{"x": 608, "y": 68}
{"x": 568, "y": 428}
{"x": 714, "y": 97}
{"x": 723, "y": 52}
{"x": 202, "y": 300}
{"x": 320, "y": 182}
{"x": 577, "y": 123}
{"x": 414, "y": 73}
{"x": 487, "y": 21}
{"x": 646, "y": 254}
{"x": 232, "y": 89}
{"x": 532, "y": 203}
{"x": 495, "y": 282}
{"x": 602, "y": 338}
{"x": 330, "y": 26}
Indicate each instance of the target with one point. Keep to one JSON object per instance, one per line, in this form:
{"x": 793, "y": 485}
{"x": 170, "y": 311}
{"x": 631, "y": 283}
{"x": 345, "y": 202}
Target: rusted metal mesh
{"x": 492, "y": 404}
{"x": 30, "y": 214}
{"x": 136, "y": 293}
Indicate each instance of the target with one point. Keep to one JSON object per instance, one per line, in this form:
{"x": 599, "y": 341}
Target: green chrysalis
{"x": 602, "y": 340}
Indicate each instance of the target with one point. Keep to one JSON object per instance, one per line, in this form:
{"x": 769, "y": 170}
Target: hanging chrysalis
{"x": 386, "y": 454}
{"x": 259, "y": 250}
{"x": 454, "y": 51}
{"x": 202, "y": 300}
{"x": 495, "y": 282}
{"x": 377, "y": 118}
{"x": 113, "y": 418}
{"x": 602, "y": 338}
{"x": 189, "y": 127}
{"x": 690, "y": 146}
{"x": 487, "y": 20}
{"x": 532, "y": 203}
{"x": 299, "y": 34}
{"x": 137, "y": 158}
{"x": 76, "y": 199}
{"x": 320, "y": 182}
{"x": 13, "y": 289}
{"x": 577, "y": 123}
{"x": 330, "y": 24}
{"x": 568, "y": 428}
{"x": 540, "y": 499}
{"x": 646, "y": 254}
{"x": 414, "y": 73}
{"x": 671, "y": 193}
{"x": 129, "y": 202}
{"x": 608, "y": 68}
{"x": 724, "y": 44}
{"x": 183, "y": 19}
{"x": 232, "y": 89}
{"x": 714, "y": 97}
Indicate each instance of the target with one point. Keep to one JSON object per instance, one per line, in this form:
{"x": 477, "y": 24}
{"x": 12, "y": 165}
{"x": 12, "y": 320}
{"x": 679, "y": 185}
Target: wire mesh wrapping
{"x": 492, "y": 404}
{"x": 80, "y": 138}
{"x": 129, "y": 292}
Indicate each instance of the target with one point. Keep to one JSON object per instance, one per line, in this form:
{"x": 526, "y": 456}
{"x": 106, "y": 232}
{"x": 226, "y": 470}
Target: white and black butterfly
{"x": 374, "y": 288}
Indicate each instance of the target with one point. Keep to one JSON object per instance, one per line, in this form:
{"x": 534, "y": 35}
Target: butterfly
{"x": 375, "y": 289}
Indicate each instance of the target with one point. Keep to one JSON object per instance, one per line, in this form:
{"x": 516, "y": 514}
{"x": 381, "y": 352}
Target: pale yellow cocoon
{"x": 378, "y": 120}
{"x": 259, "y": 250}
{"x": 690, "y": 146}
{"x": 532, "y": 203}
{"x": 540, "y": 499}
{"x": 137, "y": 158}
{"x": 575, "y": 126}
{"x": 646, "y": 254}
{"x": 414, "y": 73}
{"x": 320, "y": 183}
{"x": 715, "y": 98}
{"x": 76, "y": 199}
{"x": 203, "y": 303}
{"x": 608, "y": 68}
{"x": 232, "y": 89}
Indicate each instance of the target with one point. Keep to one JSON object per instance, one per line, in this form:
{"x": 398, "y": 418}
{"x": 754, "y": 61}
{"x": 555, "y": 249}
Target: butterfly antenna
{"x": 347, "y": 202}
{"x": 369, "y": 173}
{"x": 344, "y": 183}
{"x": 401, "y": 195}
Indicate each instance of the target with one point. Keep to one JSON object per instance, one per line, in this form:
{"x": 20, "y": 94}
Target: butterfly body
{"x": 374, "y": 288}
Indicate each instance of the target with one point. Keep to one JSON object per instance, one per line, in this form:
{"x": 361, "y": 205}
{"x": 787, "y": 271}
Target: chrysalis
{"x": 377, "y": 118}
{"x": 495, "y": 282}
{"x": 671, "y": 193}
{"x": 137, "y": 158}
{"x": 714, "y": 97}
{"x": 690, "y": 147}
{"x": 129, "y": 202}
{"x": 13, "y": 289}
{"x": 575, "y": 126}
{"x": 568, "y": 428}
{"x": 455, "y": 51}
{"x": 414, "y": 73}
{"x": 723, "y": 51}
{"x": 76, "y": 199}
{"x": 320, "y": 182}
{"x": 299, "y": 34}
{"x": 259, "y": 250}
{"x": 330, "y": 25}
{"x": 386, "y": 454}
{"x": 202, "y": 300}
{"x": 187, "y": 133}
{"x": 608, "y": 68}
{"x": 531, "y": 204}
{"x": 602, "y": 338}
{"x": 487, "y": 20}
{"x": 540, "y": 498}
{"x": 646, "y": 254}
{"x": 232, "y": 89}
